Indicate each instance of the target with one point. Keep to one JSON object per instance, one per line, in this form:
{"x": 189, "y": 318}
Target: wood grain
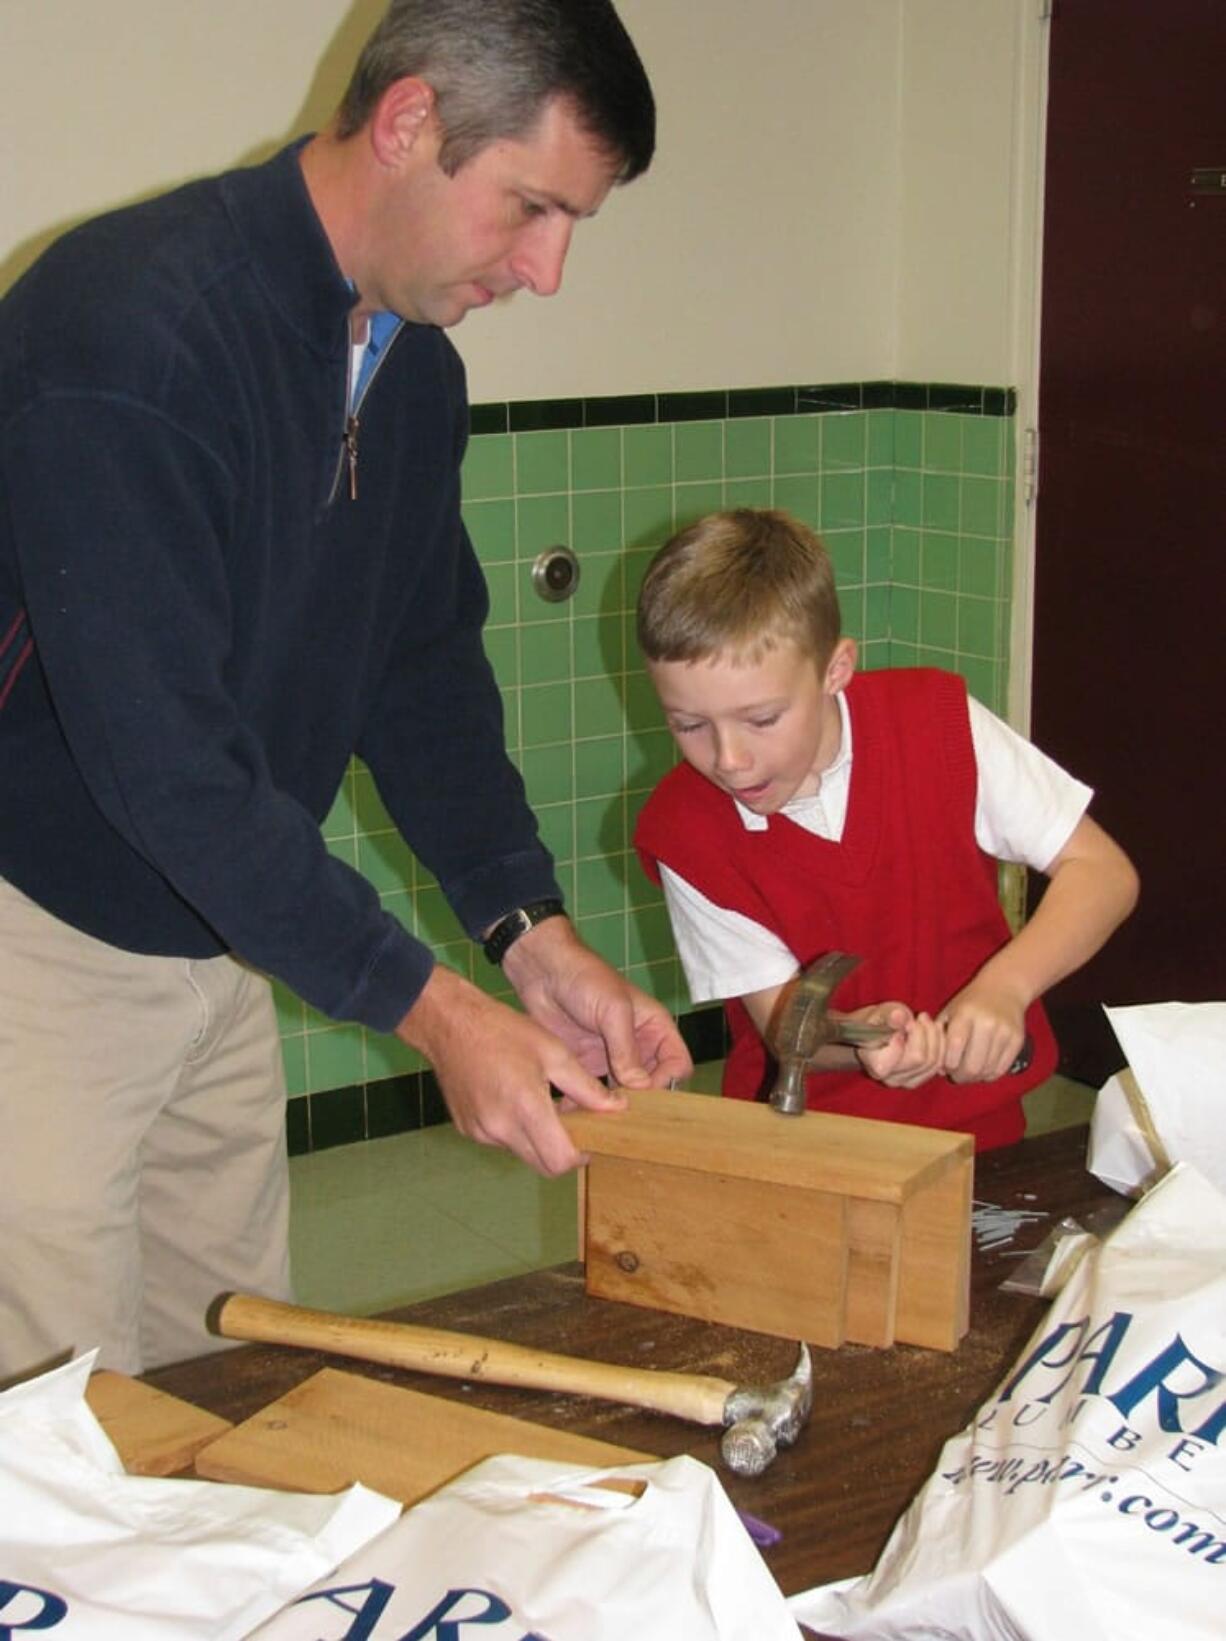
{"x": 851, "y": 1156}
{"x": 742, "y": 1251}
{"x": 815, "y": 1227}
{"x": 337, "y": 1428}
{"x": 154, "y": 1434}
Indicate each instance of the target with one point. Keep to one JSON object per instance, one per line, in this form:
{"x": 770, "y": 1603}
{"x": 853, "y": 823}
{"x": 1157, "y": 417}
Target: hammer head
{"x": 760, "y": 1419}
{"x": 803, "y": 1026}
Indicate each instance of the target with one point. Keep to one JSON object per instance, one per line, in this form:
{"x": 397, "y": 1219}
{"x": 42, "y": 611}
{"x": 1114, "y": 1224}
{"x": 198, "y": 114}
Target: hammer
{"x": 757, "y": 1419}
{"x": 805, "y": 1024}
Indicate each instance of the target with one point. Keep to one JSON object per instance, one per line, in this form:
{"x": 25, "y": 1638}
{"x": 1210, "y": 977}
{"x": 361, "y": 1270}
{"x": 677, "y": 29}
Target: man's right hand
{"x": 496, "y": 1067}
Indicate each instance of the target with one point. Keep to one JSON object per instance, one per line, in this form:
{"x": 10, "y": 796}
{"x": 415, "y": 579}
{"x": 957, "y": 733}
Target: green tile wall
{"x": 915, "y": 507}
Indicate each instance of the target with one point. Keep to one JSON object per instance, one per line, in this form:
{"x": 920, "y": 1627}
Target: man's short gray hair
{"x": 494, "y": 63}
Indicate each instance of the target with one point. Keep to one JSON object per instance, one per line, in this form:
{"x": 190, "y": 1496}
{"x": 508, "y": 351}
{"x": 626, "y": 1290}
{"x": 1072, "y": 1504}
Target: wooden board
{"x": 934, "y": 1278}
{"x": 744, "y": 1252}
{"x": 337, "y": 1428}
{"x": 154, "y": 1434}
{"x": 817, "y": 1150}
{"x": 873, "y": 1267}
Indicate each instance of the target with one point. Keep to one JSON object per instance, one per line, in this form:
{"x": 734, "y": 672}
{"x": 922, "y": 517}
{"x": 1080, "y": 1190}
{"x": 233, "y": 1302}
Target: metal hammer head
{"x": 803, "y": 1026}
{"x": 760, "y": 1419}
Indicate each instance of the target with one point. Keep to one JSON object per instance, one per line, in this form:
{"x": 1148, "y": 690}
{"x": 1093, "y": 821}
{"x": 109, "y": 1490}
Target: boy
{"x": 819, "y": 811}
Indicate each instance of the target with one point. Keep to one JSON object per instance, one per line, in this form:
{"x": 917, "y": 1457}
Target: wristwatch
{"x": 508, "y": 929}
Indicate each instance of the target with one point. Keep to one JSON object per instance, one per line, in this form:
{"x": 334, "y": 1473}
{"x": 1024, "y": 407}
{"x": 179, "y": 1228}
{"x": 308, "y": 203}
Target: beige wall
{"x": 840, "y": 194}
{"x": 969, "y": 166}
{"x": 760, "y": 248}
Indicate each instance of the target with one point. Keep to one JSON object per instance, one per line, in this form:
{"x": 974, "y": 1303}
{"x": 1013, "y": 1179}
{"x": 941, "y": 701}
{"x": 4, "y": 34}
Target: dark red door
{"x": 1129, "y": 658}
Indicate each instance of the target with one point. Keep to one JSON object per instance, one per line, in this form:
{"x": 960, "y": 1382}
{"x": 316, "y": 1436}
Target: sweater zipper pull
{"x": 351, "y": 455}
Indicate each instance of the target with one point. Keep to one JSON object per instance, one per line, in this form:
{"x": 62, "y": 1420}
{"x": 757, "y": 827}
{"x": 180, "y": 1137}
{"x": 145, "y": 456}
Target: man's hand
{"x": 912, "y": 1056}
{"x": 496, "y": 1068}
{"x": 609, "y": 1025}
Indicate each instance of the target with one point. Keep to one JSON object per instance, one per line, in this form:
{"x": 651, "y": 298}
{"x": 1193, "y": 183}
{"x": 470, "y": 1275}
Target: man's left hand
{"x": 611, "y": 1027}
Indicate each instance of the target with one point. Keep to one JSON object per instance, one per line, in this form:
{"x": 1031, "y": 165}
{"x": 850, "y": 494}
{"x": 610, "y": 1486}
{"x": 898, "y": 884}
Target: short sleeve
{"x": 724, "y": 954}
{"x": 1027, "y": 805}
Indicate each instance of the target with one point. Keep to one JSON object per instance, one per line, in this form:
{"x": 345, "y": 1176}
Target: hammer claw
{"x": 761, "y": 1419}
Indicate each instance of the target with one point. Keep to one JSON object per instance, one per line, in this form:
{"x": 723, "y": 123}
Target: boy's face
{"x": 762, "y": 731}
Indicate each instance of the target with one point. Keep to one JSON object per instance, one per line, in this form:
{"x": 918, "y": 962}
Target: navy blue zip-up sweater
{"x": 198, "y": 623}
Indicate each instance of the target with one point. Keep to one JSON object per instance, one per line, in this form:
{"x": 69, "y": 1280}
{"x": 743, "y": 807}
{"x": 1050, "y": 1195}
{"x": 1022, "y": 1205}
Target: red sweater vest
{"x": 907, "y": 888}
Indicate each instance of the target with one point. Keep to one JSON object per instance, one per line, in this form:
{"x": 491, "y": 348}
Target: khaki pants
{"x": 142, "y": 1145}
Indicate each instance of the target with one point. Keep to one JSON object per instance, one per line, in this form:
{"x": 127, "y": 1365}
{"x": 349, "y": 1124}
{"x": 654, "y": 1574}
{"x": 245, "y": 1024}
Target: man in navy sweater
{"x": 231, "y": 556}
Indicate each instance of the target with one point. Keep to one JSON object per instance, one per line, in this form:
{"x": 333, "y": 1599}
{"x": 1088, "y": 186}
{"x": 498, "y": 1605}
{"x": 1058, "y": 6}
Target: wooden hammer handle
{"x": 691, "y": 1396}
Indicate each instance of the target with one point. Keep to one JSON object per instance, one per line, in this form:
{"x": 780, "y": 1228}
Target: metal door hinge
{"x": 1208, "y": 179}
{"x": 1030, "y": 465}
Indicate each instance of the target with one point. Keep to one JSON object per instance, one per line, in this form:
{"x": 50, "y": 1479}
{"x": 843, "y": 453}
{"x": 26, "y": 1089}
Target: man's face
{"x": 502, "y": 223}
{"x": 763, "y": 731}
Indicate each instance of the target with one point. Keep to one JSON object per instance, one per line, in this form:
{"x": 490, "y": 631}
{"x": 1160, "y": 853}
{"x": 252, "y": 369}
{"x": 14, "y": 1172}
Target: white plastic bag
{"x": 1088, "y": 1497}
{"x": 89, "y": 1553}
{"x": 1175, "y": 1108}
{"x": 525, "y": 1549}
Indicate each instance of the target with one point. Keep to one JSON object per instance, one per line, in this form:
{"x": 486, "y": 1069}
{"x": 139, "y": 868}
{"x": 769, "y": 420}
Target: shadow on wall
{"x": 649, "y": 748}
{"x": 319, "y": 102}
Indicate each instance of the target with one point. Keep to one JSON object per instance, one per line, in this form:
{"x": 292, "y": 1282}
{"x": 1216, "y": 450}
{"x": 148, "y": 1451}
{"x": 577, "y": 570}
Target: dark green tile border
{"x": 298, "y": 1125}
{"x": 705, "y": 1033}
{"x": 633, "y": 409}
{"x": 399, "y": 1105}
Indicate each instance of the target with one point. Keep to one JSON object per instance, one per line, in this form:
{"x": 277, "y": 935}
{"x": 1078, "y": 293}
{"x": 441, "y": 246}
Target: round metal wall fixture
{"x": 555, "y": 574}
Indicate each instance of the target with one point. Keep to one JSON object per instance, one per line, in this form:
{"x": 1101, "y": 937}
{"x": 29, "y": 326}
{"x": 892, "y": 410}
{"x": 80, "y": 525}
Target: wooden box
{"x": 816, "y": 1227}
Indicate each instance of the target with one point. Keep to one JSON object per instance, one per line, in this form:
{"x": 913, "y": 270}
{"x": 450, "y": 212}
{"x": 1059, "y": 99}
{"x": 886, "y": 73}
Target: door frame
{"x": 1025, "y": 320}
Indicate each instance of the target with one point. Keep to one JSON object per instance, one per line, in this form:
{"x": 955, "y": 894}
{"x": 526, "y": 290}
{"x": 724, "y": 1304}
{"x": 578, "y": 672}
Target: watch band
{"x": 508, "y": 929}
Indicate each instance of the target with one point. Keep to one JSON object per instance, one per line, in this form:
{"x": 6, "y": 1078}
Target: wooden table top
{"x": 879, "y": 1419}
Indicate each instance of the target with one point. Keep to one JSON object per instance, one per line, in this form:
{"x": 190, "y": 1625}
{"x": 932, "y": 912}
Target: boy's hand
{"x": 1092, "y": 888}
{"x": 985, "y": 1027}
{"x": 912, "y": 1056}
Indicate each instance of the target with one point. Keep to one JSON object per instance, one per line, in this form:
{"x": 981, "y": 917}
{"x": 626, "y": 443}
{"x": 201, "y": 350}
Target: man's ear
{"x": 403, "y": 115}
{"x": 842, "y": 666}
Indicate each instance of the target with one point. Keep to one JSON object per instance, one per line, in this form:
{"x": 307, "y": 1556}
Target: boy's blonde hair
{"x": 739, "y": 582}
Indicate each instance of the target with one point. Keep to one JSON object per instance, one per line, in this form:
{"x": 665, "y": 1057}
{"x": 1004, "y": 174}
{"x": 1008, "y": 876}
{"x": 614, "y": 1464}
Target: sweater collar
{"x": 274, "y": 216}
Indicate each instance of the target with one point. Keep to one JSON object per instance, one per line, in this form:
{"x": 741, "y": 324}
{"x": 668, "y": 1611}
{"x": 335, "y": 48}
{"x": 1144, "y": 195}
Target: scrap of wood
{"x": 631, "y": 1487}
{"x": 154, "y": 1434}
{"x": 337, "y": 1428}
